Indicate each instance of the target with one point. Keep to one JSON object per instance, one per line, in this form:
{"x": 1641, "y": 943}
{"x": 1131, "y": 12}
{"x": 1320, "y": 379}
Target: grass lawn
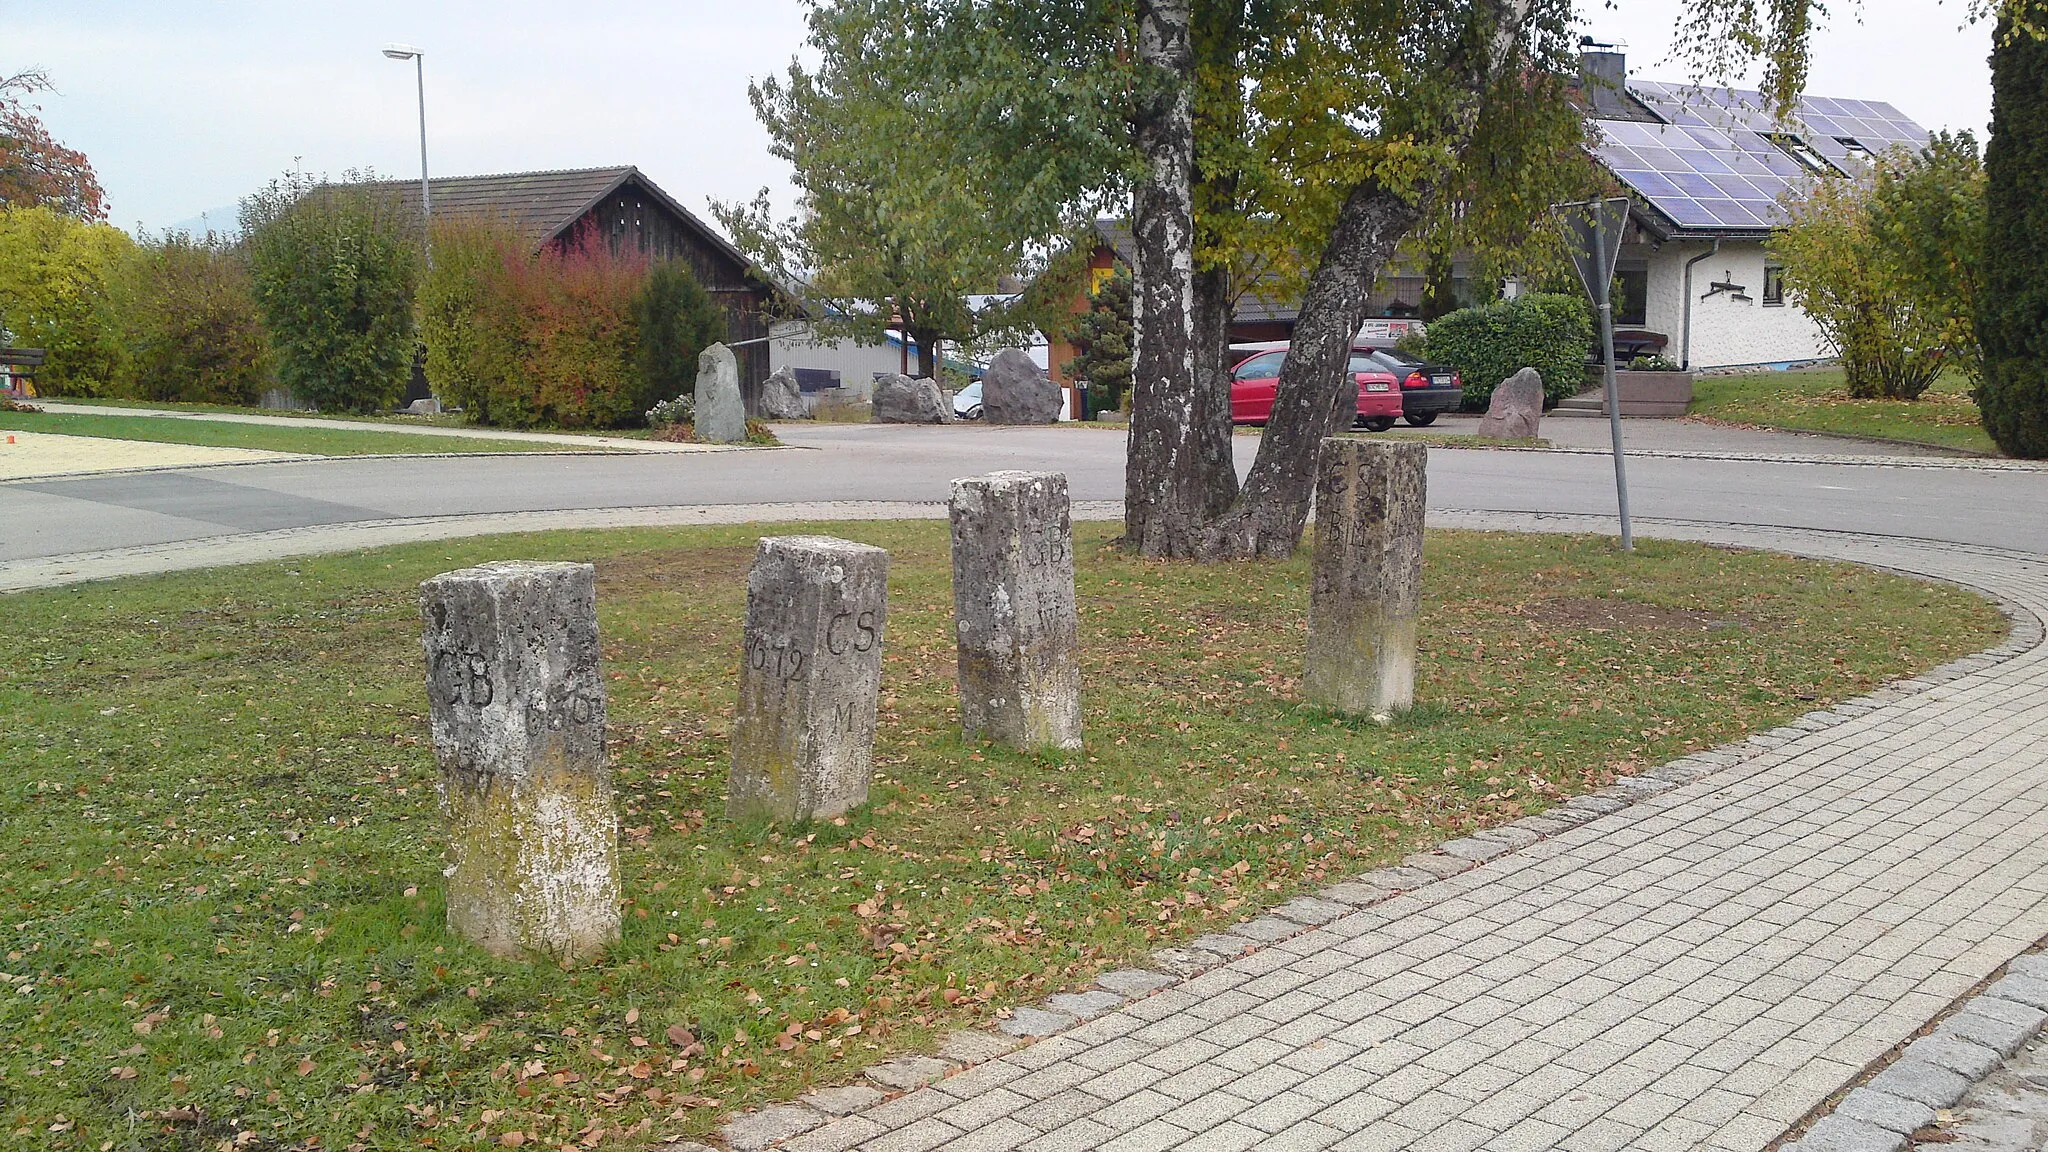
{"x": 220, "y": 850}
{"x": 1813, "y": 400}
{"x": 274, "y": 438}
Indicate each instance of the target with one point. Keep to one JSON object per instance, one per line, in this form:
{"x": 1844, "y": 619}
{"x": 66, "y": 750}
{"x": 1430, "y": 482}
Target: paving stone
{"x": 1311, "y": 911}
{"x": 1840, "y": 1134}
{"x": 1355, "y": 893}
{"x": 2029, "y": 990}
{"x": 843, "y": 1100}
{"x": 1183, "y": 962}
{"x": 1135, "y": 982}
{"x": 1972, "y": 1061}
{"x": 1437, "y": 865}
{"x": 1036, "y": 1022}
{"x": 975, "y": 1047}
{"x": 2001, "y": 1036}
{"x": 836, "y": 1136}
{"x": 753, "y": 1131}
{"x": 1513, "y": 834}
{"x": 2024, "y": 1015}
{"x": 1084, "y": 1005}
{"x": 907, "y": 1072}
{"x": 1399, "y": 878}
{"x": 1267, "y": 929}
{"x": 1885, "y": 1110}
{"x": 1223, "y": 944}
{"x": 1473, "y": 848}
{"x": 2031, "y": 964}
{"x": 1920, "y": 1081}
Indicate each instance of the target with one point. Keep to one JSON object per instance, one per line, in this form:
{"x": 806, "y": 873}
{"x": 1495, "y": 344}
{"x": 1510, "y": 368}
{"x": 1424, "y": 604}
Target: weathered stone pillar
{"x": 516, "y": 696}
{"x": 1365, "y": 583}
{"x": 803, "y": 737}
{"x": 721, "y": 410}
{"x": 1013, "y": 597}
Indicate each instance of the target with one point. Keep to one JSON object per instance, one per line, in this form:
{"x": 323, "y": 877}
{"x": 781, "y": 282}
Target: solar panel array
{"x": 1713, "y": 164}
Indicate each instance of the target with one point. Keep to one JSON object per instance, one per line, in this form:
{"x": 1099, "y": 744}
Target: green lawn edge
{"x": 1813, "y": 400}
{"x": 270, "y": 438}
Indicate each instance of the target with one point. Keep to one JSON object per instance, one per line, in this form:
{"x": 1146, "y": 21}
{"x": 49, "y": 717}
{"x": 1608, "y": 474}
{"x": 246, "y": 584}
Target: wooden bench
{"x": 19, "y": 366}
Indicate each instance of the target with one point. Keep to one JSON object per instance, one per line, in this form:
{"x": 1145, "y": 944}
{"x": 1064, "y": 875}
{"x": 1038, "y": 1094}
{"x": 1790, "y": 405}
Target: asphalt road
{"x": 1927, "y": 499}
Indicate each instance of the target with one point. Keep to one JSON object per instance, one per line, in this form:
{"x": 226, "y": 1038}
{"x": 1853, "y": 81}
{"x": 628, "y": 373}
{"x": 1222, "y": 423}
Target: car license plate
{"x": 1440, "y": 381}
{"x": 1378, "y": 386}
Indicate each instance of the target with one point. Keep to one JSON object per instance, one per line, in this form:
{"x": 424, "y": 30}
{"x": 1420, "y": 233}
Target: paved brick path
{"x": 1697, "y": 969}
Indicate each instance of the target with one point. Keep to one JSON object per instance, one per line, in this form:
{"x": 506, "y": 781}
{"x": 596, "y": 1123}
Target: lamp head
{"x": 402, "y": 51}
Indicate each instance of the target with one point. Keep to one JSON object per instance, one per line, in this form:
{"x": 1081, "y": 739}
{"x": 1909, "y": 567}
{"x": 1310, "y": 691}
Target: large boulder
{"x": 721, "y": 413}
{"x": 1016, "y": 391}
{"x": 1516, "y": 409}
{"x": 781, "y": 399}
{"x": 902, "y": 400}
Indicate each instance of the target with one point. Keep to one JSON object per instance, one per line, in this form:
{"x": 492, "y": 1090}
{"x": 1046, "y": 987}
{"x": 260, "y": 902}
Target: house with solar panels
{"x": 1705, "y": 168}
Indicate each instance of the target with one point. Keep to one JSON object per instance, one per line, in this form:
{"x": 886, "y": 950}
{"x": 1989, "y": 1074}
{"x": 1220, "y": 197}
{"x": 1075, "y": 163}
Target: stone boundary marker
{"x": 721, "y": 413}
{"x": 1013, "y": 599}
{"x": 847, "y": 1116}
{"x": 1365, "y": 577}
{"x": 804, "y": 733}
{"x": 1935, "y": 1071}
{"x": 516, "y": 702}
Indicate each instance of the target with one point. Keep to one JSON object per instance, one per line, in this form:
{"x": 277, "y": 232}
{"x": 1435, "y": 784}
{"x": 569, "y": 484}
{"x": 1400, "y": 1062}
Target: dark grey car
{"x": 1427, "y": 390}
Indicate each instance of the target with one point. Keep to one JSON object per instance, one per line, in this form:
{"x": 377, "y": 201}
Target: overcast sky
{"x": 185, "y": 106}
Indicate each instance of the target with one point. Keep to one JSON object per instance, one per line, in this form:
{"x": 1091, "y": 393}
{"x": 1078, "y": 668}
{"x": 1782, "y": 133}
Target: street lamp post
{"x": 418, "y": 58}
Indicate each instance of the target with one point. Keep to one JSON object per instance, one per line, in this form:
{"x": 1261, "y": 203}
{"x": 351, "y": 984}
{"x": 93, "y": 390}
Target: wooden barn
{"x": 633, "y": 211}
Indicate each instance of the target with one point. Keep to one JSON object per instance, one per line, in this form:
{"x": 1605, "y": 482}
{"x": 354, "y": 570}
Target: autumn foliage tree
{"x": 35, "y": 170}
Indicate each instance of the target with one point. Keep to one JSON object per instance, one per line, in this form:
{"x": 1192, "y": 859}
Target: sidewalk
{"x": 621, "y": 443}
{"x": 1696, "y": 958}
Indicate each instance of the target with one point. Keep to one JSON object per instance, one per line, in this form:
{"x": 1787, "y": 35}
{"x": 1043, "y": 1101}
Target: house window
{"x": 1774, "y": 285}
{"x": 1632, "y": 296}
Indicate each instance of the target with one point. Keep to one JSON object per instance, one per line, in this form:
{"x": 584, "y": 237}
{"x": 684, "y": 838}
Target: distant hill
{"x": 223, "y": 221}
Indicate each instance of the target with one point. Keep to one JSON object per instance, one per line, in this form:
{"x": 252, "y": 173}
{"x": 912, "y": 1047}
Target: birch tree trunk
{"x": 1312, "y": 400}
{"x": 1214, "y": 302}
{"x": 1166, "y": 491}
{"x": 1311, "y": 403}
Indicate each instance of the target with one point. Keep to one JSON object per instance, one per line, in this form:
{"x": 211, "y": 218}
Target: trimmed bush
{"x": 334, "y": 268}
{"x": 582, "y": 337}
{"x": 189, "y": 324}
{"x": 1547, "y": 331}
{"x": 678, "y": 319}
{"x": 2013, "y": 395}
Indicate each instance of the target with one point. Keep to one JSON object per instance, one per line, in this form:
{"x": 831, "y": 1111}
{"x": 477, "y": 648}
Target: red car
{"x": 1253, "y": 380}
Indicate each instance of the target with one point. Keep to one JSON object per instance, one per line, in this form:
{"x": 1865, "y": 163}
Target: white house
{"x": 1705, "y": 168}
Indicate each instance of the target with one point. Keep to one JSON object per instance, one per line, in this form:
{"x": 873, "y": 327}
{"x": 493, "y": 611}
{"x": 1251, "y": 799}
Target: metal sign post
{"x": 1592, "y": 231}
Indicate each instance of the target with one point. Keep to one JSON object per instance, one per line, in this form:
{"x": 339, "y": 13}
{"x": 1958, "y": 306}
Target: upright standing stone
{"x": 516, "y": 698}
{"x": 1013, "y": 595}
{"x": 1016, "y": 391}
{"x": 803, "y": 737}
{"x": 1515, "y": 410}
{"x": 721, "y": 412}
{"x": 1365, "y": 582}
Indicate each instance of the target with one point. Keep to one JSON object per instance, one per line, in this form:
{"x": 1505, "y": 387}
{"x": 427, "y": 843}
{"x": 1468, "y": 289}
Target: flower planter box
{"x": 1653, "y": 393}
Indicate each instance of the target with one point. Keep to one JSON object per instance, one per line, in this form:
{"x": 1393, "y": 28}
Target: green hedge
{"x": 2013, "y": 297}
{"x": 1549, "y": 332}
